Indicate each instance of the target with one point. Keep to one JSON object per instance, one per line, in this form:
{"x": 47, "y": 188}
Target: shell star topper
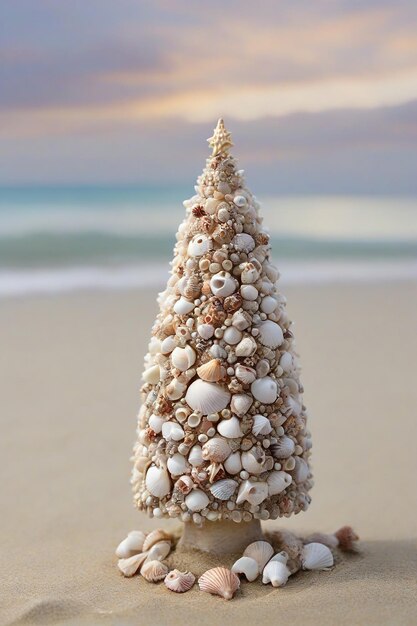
{"x": 222, "y": 432}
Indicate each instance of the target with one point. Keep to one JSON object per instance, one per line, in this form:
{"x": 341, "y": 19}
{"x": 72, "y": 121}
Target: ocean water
{"x": 57, "y": 239}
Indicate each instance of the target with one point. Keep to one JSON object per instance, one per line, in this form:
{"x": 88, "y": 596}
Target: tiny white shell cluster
{"x": 222, "y": 430}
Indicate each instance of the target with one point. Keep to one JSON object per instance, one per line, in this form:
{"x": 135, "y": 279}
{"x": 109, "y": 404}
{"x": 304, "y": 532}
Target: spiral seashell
{"x": 179, "y": 581}
{"x": 196, "y": 500}
{"x": 212, "y": 371}
{"x": 246, "y": 347}
{"x": 316, "y": 556}
{"x": 243, "y": 242}
{"x": 277, "y": 482}
{"x": 270, "y": 334}
{"x": 152, "y": 571}
{"x": 240, "y": 404}
{"x": 177, "y": 464}
{"x": 155, "y": 536}
{"x": 223, "y": 489}
{"x": 183, "y": 358}
{"x": 207, "y": 397}
{"x": 192, "y": 288}
{"x": 261, "y": 425}
{"x": 246, "y": 566}
{"x": 171, "y": 431}
{"x": 216, "y": 449}
{"x": 284, "y": 448}
{"x": 260, "y": 551}
{"x": 240, "y": 201}
{"x": 133, "y": 544}
{"x": 233, "y": 464}
{"x": 232, "y": 303}
{"x": 199, "y": 245}
{"x": 252, "y": 492}
{"x": 157, "y": 481}
{"x": 219, "y": 581}
{"x": 276, "y": 573}
{"x": 129, "y": 566}
{"x": 265, "y": 390}
{"x": 253, "y": 460}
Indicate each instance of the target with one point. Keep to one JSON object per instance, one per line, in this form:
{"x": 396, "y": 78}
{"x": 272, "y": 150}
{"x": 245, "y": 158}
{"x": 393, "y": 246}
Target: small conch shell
{"x": 240, "y": 403}
{"x": 131, "y": 565}
{"x": 212, "y": 371}
{"x": 316, "y": 556}
{"x": 246, "y": 566}
{"x": 261, "y": 551}
{"x": 216, "y": 449}
{"x": 219, "y": 581}
{"x": 155, "y": 536}
{"x": 230, "y": 428}
{"x": 207, "y": 397}
{"x": 152, "y": 571}
{"x": 223, "y": 489}
{"x": 157, "y": 481}
{"x": 183, "y": 358}
{"x": 261, "y": 425}
{"x": 277, "y": 482}
{"x": 195, "y": 456}
{"x": 133, "y": 544}
{"x": 252, "y": 492}
{"x": 179, "y": 581}
{"x": 270, "y": 334}
{"x": 276, "y": 573}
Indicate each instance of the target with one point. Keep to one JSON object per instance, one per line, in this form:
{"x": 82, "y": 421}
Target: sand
{"x": 69, "y": 378}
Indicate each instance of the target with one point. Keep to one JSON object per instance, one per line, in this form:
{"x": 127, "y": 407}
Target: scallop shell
{"x": 301, "y": 470}
{"x": 155, "y": 536}
{"x": 276, "y": 573}
{"x": 282, "y": 557}
{"x": 183, "y": 306}
{"x": 283, "y": 448}
{"x": 152, "y": 375}
{"x": 316, "y": 556}
{"x": 245, "y": 374}
{"x": 177, "y": 464}
{"x": 223, "y": 489}
{"x": 197, "y": 500}
{"x": 219, "y": 581}
{"x": 159, "y": 551}
{"x": 270, "y": 334}
{"x": 265, "y": 390}
{"x": 195, "y": 456}
{"x": 233, "y": 464}
{"x": 246, "y": 566}
{"x": 183, "y": 358}
{"x": 157, "y": 481}
{"x": 152, "y": 571}
{"x": 260, "y": 551}
{"x": 132, "y": 564}
{"x": 261, "y": 425}
{"x": 199, "y": 245}
{"x": 246, "y": 347}
{"x": 232, "y": 335}
{"x": 252, "y": 492}
{"x": 240, "y": 403}
{"x": 172, "y": 431}
{"x": 207, "y": 397}
{"x": 133, "y": 544}
{"x": 230, "y": 428}
{"x": 277, "y": 482}
{"x": 212, "y": 371}
{"x": 179, "y": 581}
{"x": 253, "y": 460}
{"x": 216, "y": 449}
{"x": 243, "y": 242}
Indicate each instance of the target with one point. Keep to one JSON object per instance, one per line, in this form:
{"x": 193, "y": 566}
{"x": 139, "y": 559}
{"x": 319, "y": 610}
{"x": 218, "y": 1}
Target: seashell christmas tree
{"x": 222, "y": 434}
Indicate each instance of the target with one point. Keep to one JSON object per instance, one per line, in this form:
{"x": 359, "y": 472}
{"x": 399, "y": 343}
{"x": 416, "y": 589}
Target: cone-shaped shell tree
{"x": 222, "y": 430}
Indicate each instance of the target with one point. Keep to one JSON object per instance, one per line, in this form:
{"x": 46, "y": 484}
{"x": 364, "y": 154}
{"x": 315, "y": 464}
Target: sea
{"x": 57, "y": 239}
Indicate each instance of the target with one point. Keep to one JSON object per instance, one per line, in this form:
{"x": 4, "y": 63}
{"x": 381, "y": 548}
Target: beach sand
{"x": 70, "y": 376}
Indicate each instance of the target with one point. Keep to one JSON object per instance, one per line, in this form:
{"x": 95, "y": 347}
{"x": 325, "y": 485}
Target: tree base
{"x": 224, "y": 537}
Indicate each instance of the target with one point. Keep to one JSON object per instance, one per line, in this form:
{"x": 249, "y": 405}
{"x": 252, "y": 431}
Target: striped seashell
{"x": 277, "y": 482}
{"x": 270, "y": 334}
{"x": 179, "y": 581}
{"x": 261, "y": 425}
{"x": 152, "y": 571}
{"x": 219, "y": 581}
{"x": 131, "y": 565}
{"x": 316, "y": 556}
{"x": 207, "y": 397}
{"x": 224, "y": 489}
{"x": 261, "y": 551}
{"x": 155, "y": 536}
{"x": 212, "y": 371}
{"x": 284, "y": 448}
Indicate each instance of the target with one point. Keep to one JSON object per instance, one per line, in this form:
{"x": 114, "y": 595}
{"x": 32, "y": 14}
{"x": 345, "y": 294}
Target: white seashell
{"x": 219, "y": 581}
{"x": 182, "y": 413}
{"x": 205, "y": 330}
{"x": 261, "y": 425}
{"x": 301, "y": 470}
{"x": 265, "y": 390}
{"x": 168, "y": 344}
{"x": 246, "y": 347}
{"x": 243, "y": 242}
{"x": 159, "y": 551}
{"x": 260, "y": 551}
{"x": 183, "y": 358}
{"x": 194, "y": 420}
{"x": 316, "y": 556}
{"x": 207, "y": 397}
{"x": 199, "y": 245}
{"x": 211, "y": 205}
{"x": 284, "y": 448}
{"x": 195, "y": 456}
{"x": 276, "y": 573}
{"x": 270, "y": 334}
{"x": 152, "y": 571}
{"x": 155, "y": 422}
{"x": 184, "y": 484}
{"x": 157, "y": 481}
{"x": 216, "y": 449}
{"x": 252, "y": 492}
{"x": 197, "y": 500}
{"x": 171, "y": 431}
{"x": 277, "y": 482}
{"x": 233, "y": 464}
{"x": 175, "y": 389}
{"x": 249, "y": 273}
{"x": 240, "y": 201}
{"x": 183, "y": 306}
{"x": 223, "y": 489}
{"x": 217, "y": 352}
{"x": 268, "y": 304}
{"x": 241, "y": 320}
{"x": 177, "y": 464}
{"x": 286, "y": 362}
{"x": 212, "y": 371}
{"x": 179, "y": 581}
{"x": 253, "y": 460}
{"x": 152, "y": 375}
{"x": 223, "y": 214}
{"x": 245, "y": 374}
{"x": 240, "y": 403}
{"x": 129, "y": 566}
{"x": 232, "y": 335}
{"x": 246, "y": 566}
{"x": 230, "y": 428}
{"x": 249, "y": 292}
{"x": 282, "y": 557}
{"x": 133, "y": 544}
{"x": 223, "y": 284}
{"x": 155, "y": 536}
{"x": 154, "y": 346}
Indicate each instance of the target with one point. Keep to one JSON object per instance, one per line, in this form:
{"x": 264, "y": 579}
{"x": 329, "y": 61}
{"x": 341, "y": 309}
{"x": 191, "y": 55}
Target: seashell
{"x": 177, "y": 464}
{"x": 232, "y": 303}
{"x": 240, "y": 403}
{"x": 232, "y": 335}
{"x": 223, "y": 489}
{"x": 205, "y": 330}
{"x": 152, "y": 375}
{"x": 270, "y": 334}
{"x": 277, "y": 482}
{"x": 175, "y": 389}
{"x": 157, "y": 481}
{"x": 207, "y": 397}
{"x": 243, "y": 242}
{"x": 245, "y": 374}
{"x": 246, "y": 347}
{"x": 183, "y": 306}
{"x": 197, "y": 500}
{"x": 246, "y": 566}
{"x": 223, "y": 284}
{"x": 268, "y": 305}
{"x": 261, "y": 425}
{"x": 212, "y": 371}
{"x": 230, "y": 428}
{"x": 282, "y": 557}
{"x": 171, "y": 431}
{"x": 260, "y": 551}
{"x": 182, "y": 413}
{"x": 184, "y": 484}
{"x": 194, "y": 420}
{"x": 253, "y": 460}
{"x": 249, "y": 292}
{"x": 301, "y": 470}
{"x": 252, "y": 492}
{"x": 152, "y": 571}
{"x": 133, "y": 544}
{"x": 216, "y": 449}
{"x": 159, "y": 551}
{"x": 217, "y": 351}
{"x": 249, "y": 273}
{"x": 195, "y": 456}
{"x": 219, "y": 581}
{"x": 265, "y": 390}
{"x": 129, "y": 566}
{"x": 155, "y": 422}
{"x": 183, "y": 358}
{"x": 211, "y": 205}
{"x": 284, "y": 448}
{"x": 241, "y": 320}
{"x": 179, "y": 581}
{"x": 286, "y": 361}
{"x": 223, "y": 214}
{"x": 155, "y": 536}
{"x": 168, "y": 344}
{"x": 240, "y": 201}
{"x": 199, "y": 245}
{"x": 233, "y": 464}
{"x": 223, "y": 233}
{"x": 276, "y": 573}
{"x": 316, "y": 556}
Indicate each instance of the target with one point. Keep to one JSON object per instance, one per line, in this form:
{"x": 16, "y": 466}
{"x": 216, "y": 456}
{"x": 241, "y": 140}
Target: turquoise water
{"x": 102, "y": 232}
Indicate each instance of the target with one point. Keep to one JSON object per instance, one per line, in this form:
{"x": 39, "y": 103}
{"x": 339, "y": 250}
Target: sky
{"x": 320, "y": 97}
